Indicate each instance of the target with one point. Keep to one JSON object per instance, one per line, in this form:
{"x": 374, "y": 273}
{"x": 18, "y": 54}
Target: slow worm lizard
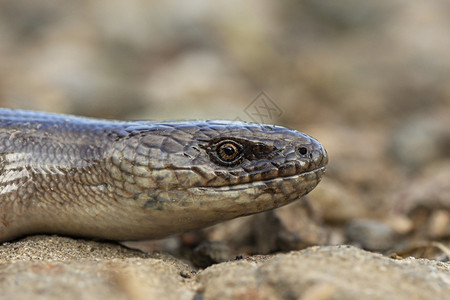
{"x": 128, "y": 180}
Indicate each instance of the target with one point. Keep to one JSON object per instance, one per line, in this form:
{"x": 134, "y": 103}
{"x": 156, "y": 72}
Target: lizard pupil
{"x": 229, "y": 150}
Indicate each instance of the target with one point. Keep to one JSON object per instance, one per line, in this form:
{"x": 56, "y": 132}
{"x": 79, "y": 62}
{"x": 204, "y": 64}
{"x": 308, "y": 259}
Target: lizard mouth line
{"x": 261, "y": 183}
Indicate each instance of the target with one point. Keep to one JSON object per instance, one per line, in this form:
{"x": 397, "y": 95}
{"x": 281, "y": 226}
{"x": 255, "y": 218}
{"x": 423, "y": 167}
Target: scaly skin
{"x": 115, "y": 180}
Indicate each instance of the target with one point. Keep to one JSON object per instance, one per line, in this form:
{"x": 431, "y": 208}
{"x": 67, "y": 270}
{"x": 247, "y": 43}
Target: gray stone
{"x": 370, "y": 234}
{"x": 332, "y": 272}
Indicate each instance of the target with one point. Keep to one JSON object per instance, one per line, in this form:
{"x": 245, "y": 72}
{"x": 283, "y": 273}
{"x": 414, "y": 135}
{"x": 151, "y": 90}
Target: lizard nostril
{"x": 302, "y": 150}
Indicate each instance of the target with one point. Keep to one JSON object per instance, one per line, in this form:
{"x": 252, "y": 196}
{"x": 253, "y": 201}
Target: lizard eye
{"x": 228, "y": 152}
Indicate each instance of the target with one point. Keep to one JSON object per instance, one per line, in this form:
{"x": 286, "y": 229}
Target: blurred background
{"x": 369, "y": 79}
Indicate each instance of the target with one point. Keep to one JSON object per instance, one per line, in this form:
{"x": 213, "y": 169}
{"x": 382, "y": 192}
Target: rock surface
{"x": 44, "y": 267}
{"x": 55, "y": 268}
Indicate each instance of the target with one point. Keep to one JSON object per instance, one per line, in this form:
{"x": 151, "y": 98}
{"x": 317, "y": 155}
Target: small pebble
{"x": 209, "y": 253}
{"x": 370, "y": 235}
